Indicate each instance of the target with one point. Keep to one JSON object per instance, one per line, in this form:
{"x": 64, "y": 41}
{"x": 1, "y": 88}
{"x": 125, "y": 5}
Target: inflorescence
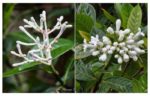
{"x": 42, "y": 53}
{"x": 127, "y": 45}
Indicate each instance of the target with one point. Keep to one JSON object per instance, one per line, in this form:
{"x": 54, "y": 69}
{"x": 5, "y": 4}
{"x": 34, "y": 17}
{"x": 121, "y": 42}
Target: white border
{"x": 74, "y": 1}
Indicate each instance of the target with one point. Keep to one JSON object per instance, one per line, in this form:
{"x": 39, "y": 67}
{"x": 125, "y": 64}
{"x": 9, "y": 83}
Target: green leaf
{"x": 103, "y": 87}
{"x": 135, "y": 18}
{"x": 87, "y": 9}
{"x": 85, "y": 35}
{"x": 8, "y": 9}
{"x": 142, "y": 82}
{"x": 119, "y": 84}
{"x": 69, "y": 70}
{"x": 62, "y": 46}
{"x": 20, "y": 69}
{"x": 83, "y": 72}
{"x": 109, "y": 16}
{"x": 79, "y": 53}
{"x": 84, "y": 22}
{"x": 123, "y": 11}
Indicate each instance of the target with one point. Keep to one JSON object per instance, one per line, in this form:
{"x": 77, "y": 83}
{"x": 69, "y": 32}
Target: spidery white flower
{"x": 42, "y": 53}
{"x": 126, "y": 46}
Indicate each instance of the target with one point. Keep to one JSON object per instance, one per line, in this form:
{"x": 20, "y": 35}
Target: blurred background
{"x": 35, "y": 80}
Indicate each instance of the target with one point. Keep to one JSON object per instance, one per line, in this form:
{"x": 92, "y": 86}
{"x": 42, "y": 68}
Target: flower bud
{"x": 110, "y": 30}
{"x": 118, "y": 24}
{"x": 95, "y": 53}
{"x": 135, "y": 58}
{"x": 120, "y": 60}
{"x": 103, "y": 57}
{"x": 140, "y": 42}
{"x": 110, "y": 51}
{"x": 125, "y": 57}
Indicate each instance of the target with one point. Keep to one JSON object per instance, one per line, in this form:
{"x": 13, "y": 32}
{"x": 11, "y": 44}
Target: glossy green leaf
{"x": 119, "y": 84}
{"x": 20, "y": 69}
{"x": 62, "y": 46}
{"x": 142, "y": 82}
{"x": 123, "y": 11}
{"x": 84, "y": 22}
{"x": 135, "y": 18}
{"x": 109, "y": 16}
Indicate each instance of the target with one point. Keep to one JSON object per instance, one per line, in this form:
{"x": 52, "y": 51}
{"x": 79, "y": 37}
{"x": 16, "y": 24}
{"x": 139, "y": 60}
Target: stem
{"x": 138, "y": 72}
{"x": 126, "y": 66}
{"x": 57, "y": 75}
{"x": 101, "y": 76}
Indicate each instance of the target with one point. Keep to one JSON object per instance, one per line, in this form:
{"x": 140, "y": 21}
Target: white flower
{"x": 43, "y": 52}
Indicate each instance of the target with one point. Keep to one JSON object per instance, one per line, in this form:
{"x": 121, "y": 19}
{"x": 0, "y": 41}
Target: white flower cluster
{"x": 126, "y": 44}
{"x": 43, "y": 52}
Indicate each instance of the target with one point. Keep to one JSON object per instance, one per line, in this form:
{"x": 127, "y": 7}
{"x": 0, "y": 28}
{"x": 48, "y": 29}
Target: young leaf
{"x": 119, "y": 84}
{"x": 135, "y": 18}
{"x": 109, "y": 16}
{"x": 85, "y": 35}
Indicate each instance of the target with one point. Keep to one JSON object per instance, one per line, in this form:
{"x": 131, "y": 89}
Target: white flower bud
{"x": 95, "y": 53}
{"x": 121, "y": 37}
{"x": 121, "y": 52}
{"x": 110, "y": 30}
{"x": 27, "y": 33}
{"x": 116, "y": 56}
{"x": 130, "y": 36}
{"x": 112, "y": 48}
{"x": 118, "y": 49}
{"x": 110, "y": 51}
{"x": 106, "y": 40}
{"x": 131, "y": 41}
{"x": 132, "y": 53}
{"x": 115, "y": 44}
{"x": 122, "y": 44}
{"x": 140, "y": 42}
{"x": 125, "y": 49}
{"x": 108, "y": 47}
{"x": 103, "y": 57}
{"x": 137, "y": 49}
{"x": 126, "y": 31}
{"x": 118, "y": 25}
{"x": 125, "y": 57}
{"x": 120, "y": 60}
{"x": 135, "y": 58}
{"x": 104, "y": 49}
